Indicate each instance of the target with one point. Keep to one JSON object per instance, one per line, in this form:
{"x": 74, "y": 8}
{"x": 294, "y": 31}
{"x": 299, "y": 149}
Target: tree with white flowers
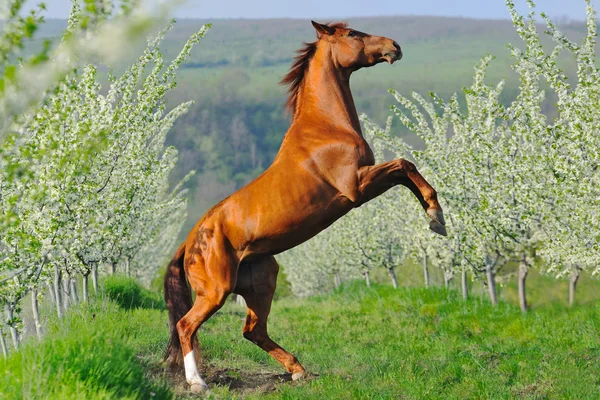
{"x": 86, "y": 182}
{"x": 508, "y": 177}
{"x": 572, "y": 222}
{"x": 419, "y": 243}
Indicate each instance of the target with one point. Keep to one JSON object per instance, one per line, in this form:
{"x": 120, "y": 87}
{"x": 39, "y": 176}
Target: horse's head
{"x": 352, "y": 49}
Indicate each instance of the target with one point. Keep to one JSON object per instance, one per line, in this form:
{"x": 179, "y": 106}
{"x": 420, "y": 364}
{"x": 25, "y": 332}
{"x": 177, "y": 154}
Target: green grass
{"x": 91, "y": 354}
{"x": 376, "y": 343}
{"x": 127, "y": 293}
{"x": 417, "y": 343}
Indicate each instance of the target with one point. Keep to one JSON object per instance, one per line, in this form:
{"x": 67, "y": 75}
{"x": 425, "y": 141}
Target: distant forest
{"x": 233, "y": 131}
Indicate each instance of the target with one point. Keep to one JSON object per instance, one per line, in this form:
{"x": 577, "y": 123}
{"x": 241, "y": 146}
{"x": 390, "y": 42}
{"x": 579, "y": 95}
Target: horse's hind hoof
{"x": 438, "y": 228}
{"x": 297, "y": 376}
{"x": 198, "y": 388}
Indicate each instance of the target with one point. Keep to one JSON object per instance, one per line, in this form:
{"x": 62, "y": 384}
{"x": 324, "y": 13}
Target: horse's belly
{"x": 305, "y": 229}
{"x": 285, "y": 224}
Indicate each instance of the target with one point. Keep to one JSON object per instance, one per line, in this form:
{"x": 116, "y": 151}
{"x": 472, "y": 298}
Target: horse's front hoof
{"x": 198, "y": 388}
{"x": 296, "y": 376}
{"x": 438, "y": 228}
{"x": 436, "y": 215}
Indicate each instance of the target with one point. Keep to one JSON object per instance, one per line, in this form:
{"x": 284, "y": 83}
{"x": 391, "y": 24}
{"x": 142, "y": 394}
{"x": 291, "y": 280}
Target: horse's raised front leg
{"x": 374, "y": 180}
{"x": 257, "y": 280}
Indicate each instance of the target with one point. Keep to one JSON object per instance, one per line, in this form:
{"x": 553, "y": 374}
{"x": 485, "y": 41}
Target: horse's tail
{"x": 179, "y": 301}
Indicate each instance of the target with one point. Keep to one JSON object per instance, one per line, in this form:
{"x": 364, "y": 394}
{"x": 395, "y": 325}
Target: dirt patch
{"x": 262, "y": 381}
{"x": 239, "y": 382}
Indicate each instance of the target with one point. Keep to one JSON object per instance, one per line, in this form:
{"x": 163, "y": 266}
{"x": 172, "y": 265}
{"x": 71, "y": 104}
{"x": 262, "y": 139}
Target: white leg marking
{"x": 192, "y": 376}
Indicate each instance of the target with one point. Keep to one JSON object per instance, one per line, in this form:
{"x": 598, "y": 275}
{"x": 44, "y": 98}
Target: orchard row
{"x": 85, "y": 177}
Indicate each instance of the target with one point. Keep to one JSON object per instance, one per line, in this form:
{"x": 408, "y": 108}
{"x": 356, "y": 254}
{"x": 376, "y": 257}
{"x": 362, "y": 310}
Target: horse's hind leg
{"x": 186, "y": 327}
{"x": 212, "y": 273}
{"x": 256, "y": 283}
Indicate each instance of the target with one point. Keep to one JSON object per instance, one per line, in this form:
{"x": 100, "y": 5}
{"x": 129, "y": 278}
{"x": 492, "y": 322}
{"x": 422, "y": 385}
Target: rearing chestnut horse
{"x": 323, "y": 169}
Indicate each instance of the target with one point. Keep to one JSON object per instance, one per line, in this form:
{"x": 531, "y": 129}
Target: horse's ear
{"x": 323, "y": 29}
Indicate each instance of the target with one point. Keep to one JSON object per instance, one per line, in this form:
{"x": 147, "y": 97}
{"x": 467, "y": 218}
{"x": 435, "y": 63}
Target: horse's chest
{"x": 341, "y": 156}
{"x": 365, "y": 156}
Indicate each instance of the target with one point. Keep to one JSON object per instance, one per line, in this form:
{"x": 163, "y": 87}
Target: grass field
{"x": 377, "y": 343}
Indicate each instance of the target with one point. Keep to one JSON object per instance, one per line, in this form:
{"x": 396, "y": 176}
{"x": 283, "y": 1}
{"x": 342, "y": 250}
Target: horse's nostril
{"x": 397, "y": 46}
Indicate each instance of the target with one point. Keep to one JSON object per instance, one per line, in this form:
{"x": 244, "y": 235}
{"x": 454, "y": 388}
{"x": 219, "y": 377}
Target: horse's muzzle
{"x": 392, "y": 55}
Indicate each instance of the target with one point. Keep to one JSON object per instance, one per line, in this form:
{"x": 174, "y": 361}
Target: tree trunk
{"x": 9, "y": 309}
{"x": 74, "y": 296}
{"x": 52, "y": 294}
{"x": 36, "y": 313}
{"x": 464, "y": 284}
{"x": 3, "y": 343}
{"x": 112, "y": 268}
{"x": 491, "y": 284}
{"x": 426, "y": 269}
{"x": 67, "y": 292}
{"x": 523, "y": 270}
{"x": 447, "y": 279}
{"x": 367, "y": 278}
{"x": 58, "y": 291}
{"x": 127, "y": 266}
{"x": 392, "y": 274}
{"x": 84, "y": 288}
{"x": 337, "y": 281}
{"x": 95, "y": 277}
{"x": 572, "y": 286}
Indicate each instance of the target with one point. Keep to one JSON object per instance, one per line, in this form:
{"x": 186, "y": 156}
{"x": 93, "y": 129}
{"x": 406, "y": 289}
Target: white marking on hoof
{"x": 436, "y": 215}
{"x": 438, "y": 228}
{"x": 297, "y": 376}
{"x": 192, "y": 376}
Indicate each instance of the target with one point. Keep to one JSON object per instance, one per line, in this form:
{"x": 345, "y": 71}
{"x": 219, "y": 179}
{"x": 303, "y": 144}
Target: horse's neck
{"x": 325, "y": 95}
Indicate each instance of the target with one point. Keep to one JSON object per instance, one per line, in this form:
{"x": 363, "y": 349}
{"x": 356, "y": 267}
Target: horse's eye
{"x": 352, "y": 34}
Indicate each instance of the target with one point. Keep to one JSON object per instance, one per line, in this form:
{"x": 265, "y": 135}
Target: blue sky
{"x": 574, "y": 9}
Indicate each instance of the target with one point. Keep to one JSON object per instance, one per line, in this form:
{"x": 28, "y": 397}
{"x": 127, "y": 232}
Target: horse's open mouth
{"x": 390, "y": 58}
